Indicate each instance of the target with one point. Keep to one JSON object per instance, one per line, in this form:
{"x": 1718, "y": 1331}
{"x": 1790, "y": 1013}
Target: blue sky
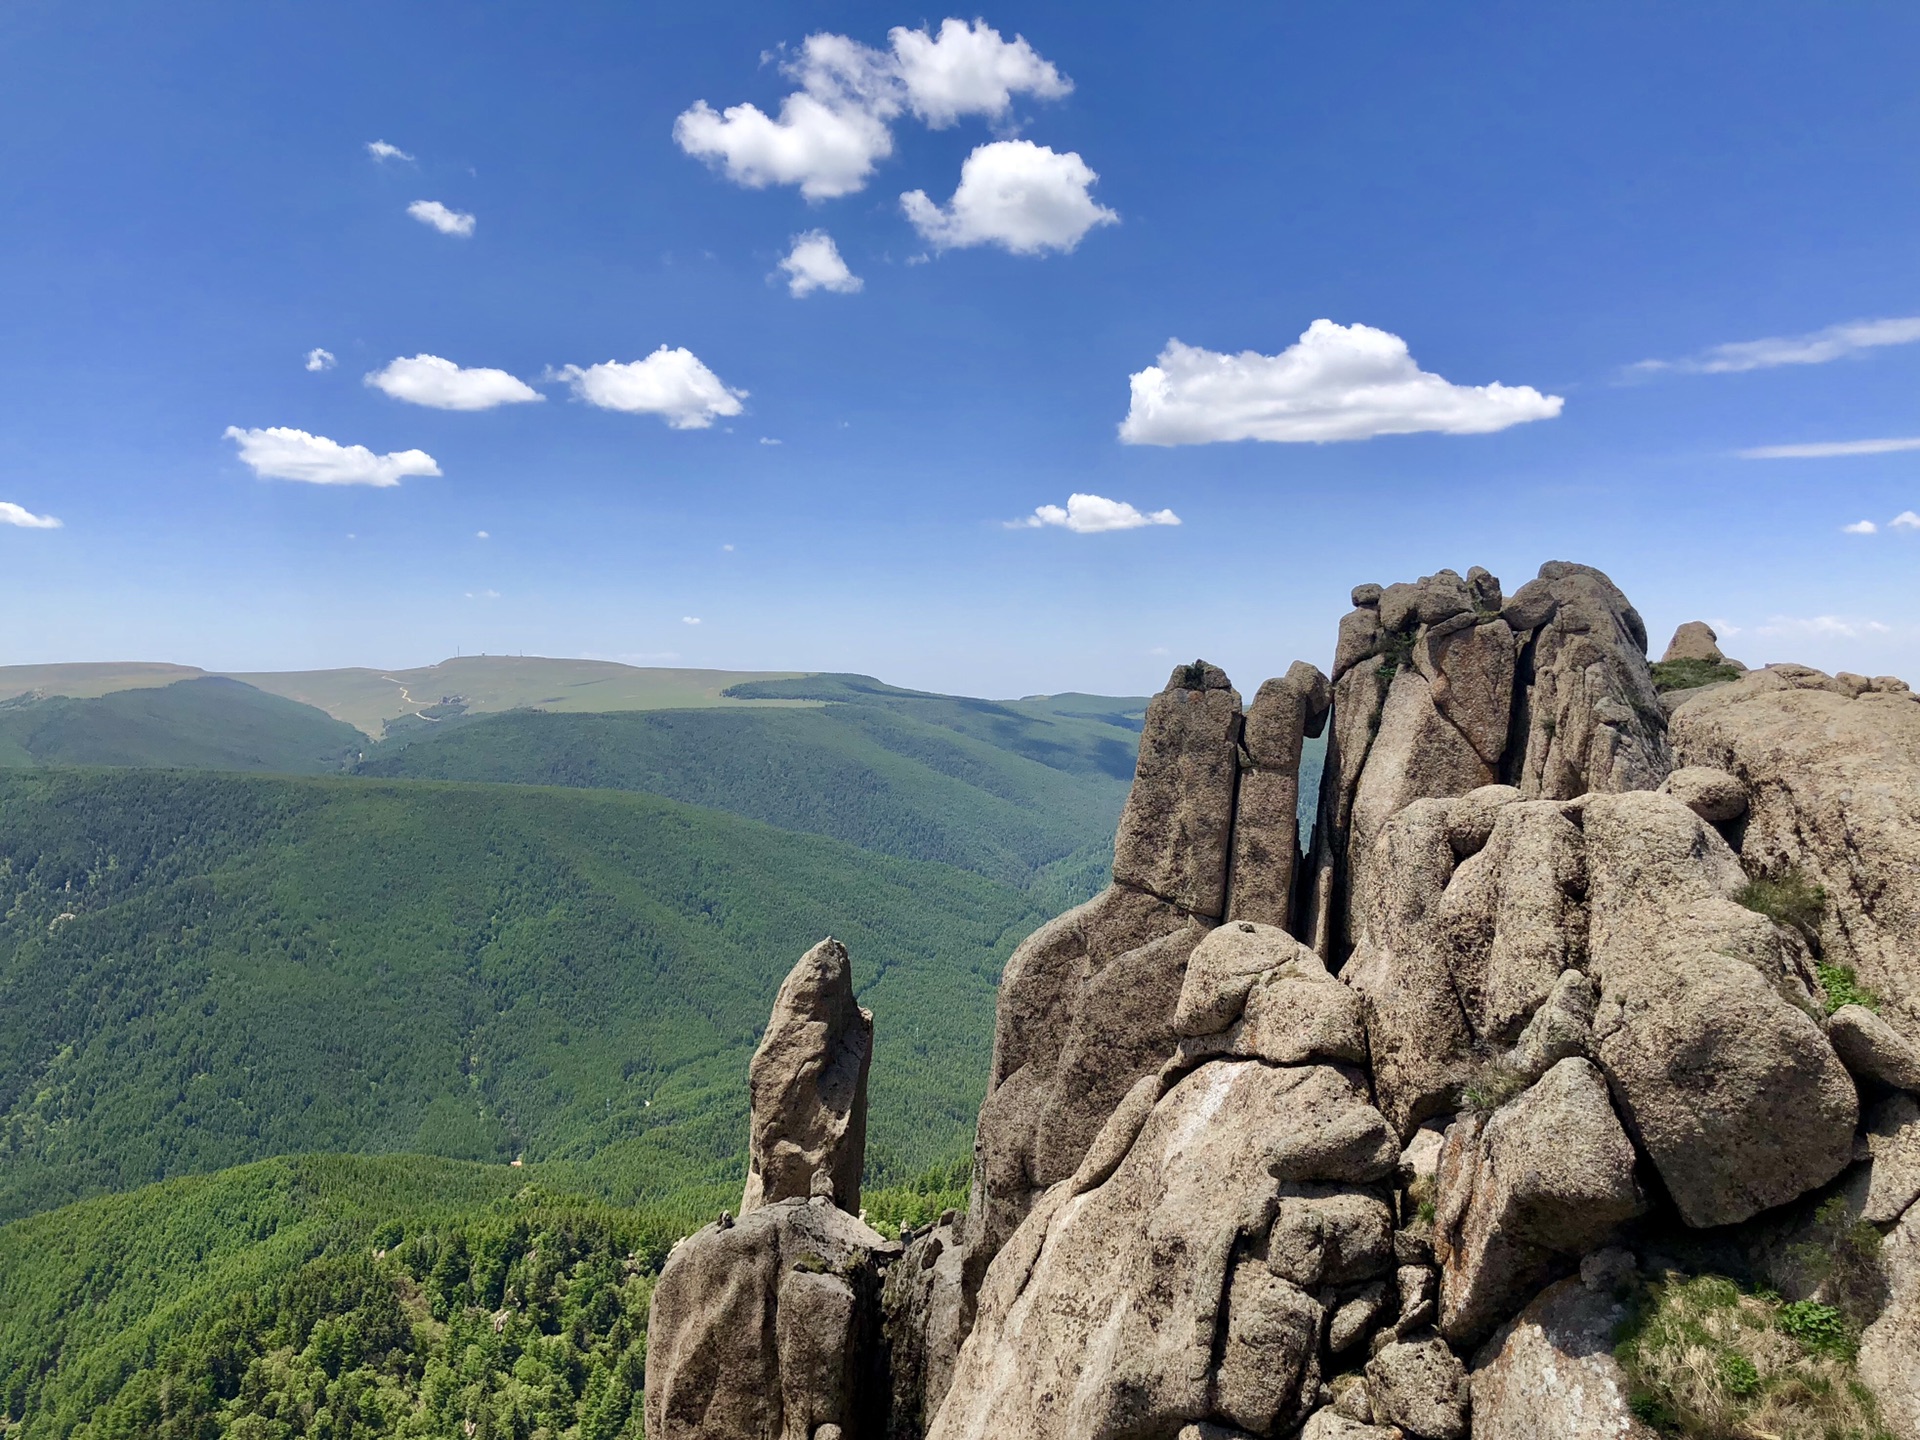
{"x": 1536, "y": 197}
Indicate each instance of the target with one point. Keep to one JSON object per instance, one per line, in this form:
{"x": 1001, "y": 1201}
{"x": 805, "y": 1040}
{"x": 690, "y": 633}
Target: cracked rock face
{"x": 1551, "y": 1371}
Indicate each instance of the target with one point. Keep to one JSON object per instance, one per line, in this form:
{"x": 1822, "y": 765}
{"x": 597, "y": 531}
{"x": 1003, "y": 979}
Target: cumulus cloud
{"x": 1860, "y": 527}
{"x": 814, "y": 263}
{"x": 1338, "y": 382}
{"x": 381, "y": 150}
{"x": 279, "y": 453}
{"x": 1015, "y": 194}
{"x": 828, "y": 135}
{"x": 481, "y": 535}
{"x": 443, "y": 385}
{"x": 672, "y": 384}
{"x": 1815, "y": 348}
{"x": 689, "y": 619}
{"x": 1823, "y": 449}
{"x": 969, "y": 70}
{"x": 318, "y": 359}
{"x": 447, "y": 222}
{"x": 1093, "y": 515}
{"x": 12, "y": 514}
{"x": 1905, "y": 520}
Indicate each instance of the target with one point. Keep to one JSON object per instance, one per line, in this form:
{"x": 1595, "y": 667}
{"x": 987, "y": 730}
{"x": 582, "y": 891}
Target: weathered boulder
{"x": 1713, "y": 795}
{"x": 1104, "y": 1314}
{"x": 1694, "y": 640}
{"x": 1890, "y": 1348}
{"x": 1722, "y": 1077}
{"x": 1175, "y": 832}
{"x": 1588, "y": 707}
{"x": 1255, "y": 991}
{"x": 1551, "y": 1172}
{"x": 1561, "y": 1027}
{"x": 1417, "y": 1033}
{"x": 1266, "y": 825}
{"x": 1420, "y": 1386}
{"x": 1513, "y": 918}
{"x": 1550, "y": 1372}
{"x": 765, "y": 1329}
{"x": 1086, "y": 1008}
{"x": 923, "y": 1304}
{"x": 1834, "y": 786}
{"x": 1468, "y": 662}
{"x": 808, "y": 1085}
{"x": 1331, "y": 1425}
{"x": 1872, "y": 1049}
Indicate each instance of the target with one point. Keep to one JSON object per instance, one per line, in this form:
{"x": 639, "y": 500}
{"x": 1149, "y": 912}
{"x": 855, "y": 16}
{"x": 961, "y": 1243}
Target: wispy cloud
{"x": 1905, "y": 520}
{"x": 1860, "y": 527}
{"x": 280, "y": 453}
{"x": 689, "y": 619}
{"x": 318, "y": 359}
{"x": 1337, "y": 382}
{"x": 1839, "y": 627}
{"x": 1817, "y": 347}
{"x": 1824, "y": 449}
{"x": 381, "y": 150}
{"x": 25, "y": 519}
{"x": 1093, "y": 515}
{"x": 446, "y": 221}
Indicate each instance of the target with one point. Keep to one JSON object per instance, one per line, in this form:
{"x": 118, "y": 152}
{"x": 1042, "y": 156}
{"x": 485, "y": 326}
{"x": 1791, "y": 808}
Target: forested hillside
{"x": 198, "y": 970}
{"x": 206, "y": 723}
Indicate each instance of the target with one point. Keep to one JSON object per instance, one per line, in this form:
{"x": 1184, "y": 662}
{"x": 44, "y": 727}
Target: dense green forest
{"x": 198, "y": 970}
{"x": 208, "y": 723}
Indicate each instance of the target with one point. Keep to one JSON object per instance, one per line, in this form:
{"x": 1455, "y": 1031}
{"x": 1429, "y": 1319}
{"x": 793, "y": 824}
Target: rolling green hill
{"x": 198, "y": 970}
{"x": 883, "y": 779}
{"x": 204, "y": 723}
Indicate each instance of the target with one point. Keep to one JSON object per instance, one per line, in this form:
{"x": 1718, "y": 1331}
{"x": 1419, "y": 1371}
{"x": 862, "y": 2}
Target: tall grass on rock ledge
{"x": 1708, "y": 1361}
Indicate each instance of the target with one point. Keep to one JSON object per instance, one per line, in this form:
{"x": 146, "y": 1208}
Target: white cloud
{"x": 673, "y": 384}
{"x": 483, "y": 594}
{"x": 1093, "y": 515}
{"x": 1015, "y": 194}
{"x": 969, "y": 70}
{"x": 318, "y": 359}
{"x": 727, "y": 548}
{"x": 381, "y": 150}
{"x": 814, "y": 263}
{"x": 12, "y": 514}
{"x": 1860, "y": 527}
{"x": 1905, "y": 520}
{"x": 279, "y": 453}
{"x": 443, "y": 385}
{"x": 828, "y": 135}
{"x": 447, "y": 222}
{"x": 481, "y": 535}
{"x": 689, "y": 619}
{"x": 1814, "y": 348}
{"x": 768, "y": 440}
{"x": 1823, "y": 449}
{"x": 1339, "y": 382}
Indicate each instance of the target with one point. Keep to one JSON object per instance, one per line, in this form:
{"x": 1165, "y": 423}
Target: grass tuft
{"x": 1709, "y": 1361}
{"x": 1789, "y": 899}
{"x": 1843, "y": 987}
{"x": 1692, "y": 674}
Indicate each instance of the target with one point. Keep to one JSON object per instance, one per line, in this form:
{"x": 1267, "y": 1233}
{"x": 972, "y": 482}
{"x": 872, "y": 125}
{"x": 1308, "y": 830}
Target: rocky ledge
{"x": 1582, "y": 994}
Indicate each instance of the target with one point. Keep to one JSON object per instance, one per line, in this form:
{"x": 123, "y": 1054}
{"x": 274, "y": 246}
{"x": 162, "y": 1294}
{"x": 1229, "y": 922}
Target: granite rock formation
{"x": 1378, "y": 1141}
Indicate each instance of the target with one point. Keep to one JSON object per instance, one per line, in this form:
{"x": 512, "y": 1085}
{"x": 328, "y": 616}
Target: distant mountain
{"x": 204, "y": 723}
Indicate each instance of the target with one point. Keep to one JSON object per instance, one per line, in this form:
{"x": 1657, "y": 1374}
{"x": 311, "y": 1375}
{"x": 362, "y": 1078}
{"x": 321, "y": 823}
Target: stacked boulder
{"x": 1370, "y": 1143}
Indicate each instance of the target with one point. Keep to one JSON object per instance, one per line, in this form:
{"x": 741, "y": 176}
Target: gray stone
{"x": 1266, "y": 820}
{"x": 1332, "y": 1425}
{"x": 1276, "y": 998}
{"x": 1551, "y": 1172}
{"x": 1175, "y": 831}
{"x": 1551, "y": 1372}
{"x": 808, "y": 1084}
{"x": 1421, "y": 1387}
{"x": 1872, "y": 1049}
{"x": 1713, "y": 795}
{"x": 923, "y": 1305}
{"x": 1694, "y": 640}
{"x": 1354, "y": 1317}
{"x": 1329, "y": 1235}
{"x": 1560, "y": 1028}
{"x": 764, "y": 1329}
{"x": 1893, "y": 1149}
{"x": 1890, "y": 1348}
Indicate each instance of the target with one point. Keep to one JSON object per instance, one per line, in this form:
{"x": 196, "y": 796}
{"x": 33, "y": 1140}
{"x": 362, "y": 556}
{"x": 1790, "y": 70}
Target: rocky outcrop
{"x": 1140, "y": 1296}
{"x": 766, "y": 1328}
{"x": 1550, "y": 1371}
{"x": 1262, "y": 1158}
{"x": 808, "y": 1086}
{"x": 1695, "y": 640}
{"x": 1265, "y": 860}
{"x": 1832, "y": 771}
